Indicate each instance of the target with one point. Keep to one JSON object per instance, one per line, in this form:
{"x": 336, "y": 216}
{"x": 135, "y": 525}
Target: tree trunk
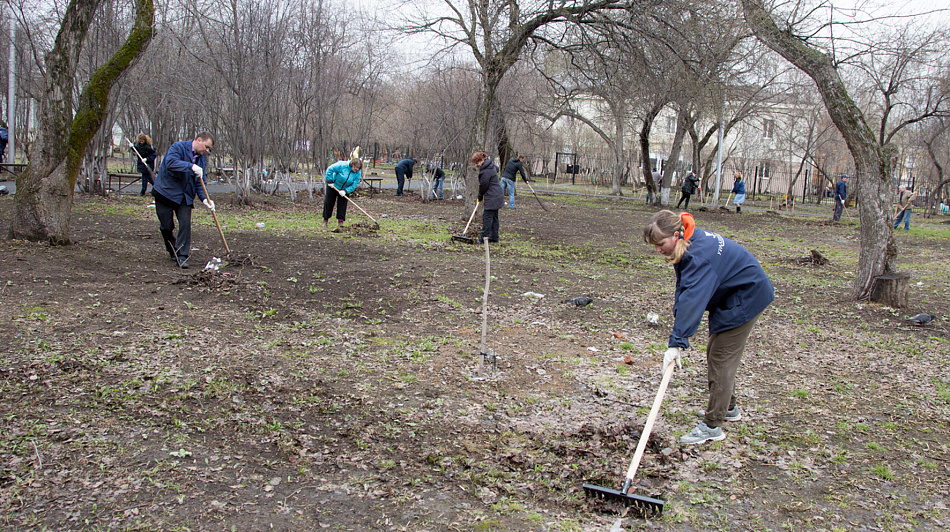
{"x": 891, "y": 290}
{"x": 682, "y": 126}
{"x": 872, "y": 162}
{"x": 43, "y": 203}
{"x": 652, "y": 187}
{"x": 616, "y": 148}
{"x": 487, "y": 132}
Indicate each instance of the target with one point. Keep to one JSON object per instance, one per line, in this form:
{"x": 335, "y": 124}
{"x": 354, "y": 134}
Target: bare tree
{"x": 873, "y": 154}
{"x": 43, "y": 203}
{"x": 496, "y": 32}
{"x": 937, "y": 142}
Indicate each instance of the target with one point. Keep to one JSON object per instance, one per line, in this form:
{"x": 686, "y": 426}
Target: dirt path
{"x": 328, "y": 382}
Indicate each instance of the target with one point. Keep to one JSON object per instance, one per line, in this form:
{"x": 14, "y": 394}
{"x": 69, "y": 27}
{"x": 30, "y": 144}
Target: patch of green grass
{"x": 883, "y": 471}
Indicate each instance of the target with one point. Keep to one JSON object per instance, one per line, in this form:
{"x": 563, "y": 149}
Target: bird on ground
{"x": 922, "y": 318}
{"x": 579, "y": 301}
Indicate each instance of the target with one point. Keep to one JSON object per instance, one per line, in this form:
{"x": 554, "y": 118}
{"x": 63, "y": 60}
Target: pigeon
{"x": 579, "y": 301}
{"x": 921, "y": 318}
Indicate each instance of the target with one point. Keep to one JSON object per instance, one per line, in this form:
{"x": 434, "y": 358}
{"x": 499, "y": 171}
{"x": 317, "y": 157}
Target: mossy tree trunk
{"x": 871, "y": 158}
{"x": 43, "y": 203}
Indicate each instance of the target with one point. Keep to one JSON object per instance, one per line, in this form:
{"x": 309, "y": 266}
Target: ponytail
{"x": 665, "y": 224}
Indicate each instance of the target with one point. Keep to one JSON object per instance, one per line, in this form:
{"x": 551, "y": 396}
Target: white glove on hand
{"x": 197, "y": 170}
{"x": 210, "y": 205}
{"x": 673, "y": 354}
{"x": 342, "y": 192}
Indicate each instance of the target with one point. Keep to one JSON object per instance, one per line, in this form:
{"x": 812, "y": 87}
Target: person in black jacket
{"x": 489, "y": 192}
{"x": 508, "y": 177}
{"x": 438, "y": 178}
{"x": 143, "y": 148}
{"x": 404, "y": 171}
{"x": 687, "y": 190}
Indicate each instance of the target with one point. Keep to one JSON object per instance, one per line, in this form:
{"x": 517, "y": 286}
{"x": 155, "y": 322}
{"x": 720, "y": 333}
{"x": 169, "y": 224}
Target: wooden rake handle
{"x": 535, "y": 195}
{"x": 648, "y": 427}
{"x": 470, "y": 218}
{"x": 348, "y": 198}
{"x": 215, "y": 215}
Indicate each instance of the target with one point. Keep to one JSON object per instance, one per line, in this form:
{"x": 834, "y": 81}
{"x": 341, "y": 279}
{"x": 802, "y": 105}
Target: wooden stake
{"x": 481, "y": 354}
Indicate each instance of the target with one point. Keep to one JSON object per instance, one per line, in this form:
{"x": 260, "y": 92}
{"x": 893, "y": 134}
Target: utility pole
{"x": 719, "y": 161}
{"x": 11, "y": 94}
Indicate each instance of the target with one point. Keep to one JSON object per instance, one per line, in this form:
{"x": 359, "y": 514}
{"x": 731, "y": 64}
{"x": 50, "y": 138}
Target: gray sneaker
{"x": 702, "y": 434}
{"x": 733, "y": 414}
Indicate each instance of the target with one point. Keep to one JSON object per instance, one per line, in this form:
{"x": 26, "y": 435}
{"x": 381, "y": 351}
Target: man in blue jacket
{"x": 841, "y": 194}
{"x": 508, "y": 177}
{"x": 403, "y": 172}
{"x": 175, "y": 189}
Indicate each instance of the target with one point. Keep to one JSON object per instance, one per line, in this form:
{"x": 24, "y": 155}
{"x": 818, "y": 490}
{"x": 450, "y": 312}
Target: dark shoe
{"x": 183, "y": 263}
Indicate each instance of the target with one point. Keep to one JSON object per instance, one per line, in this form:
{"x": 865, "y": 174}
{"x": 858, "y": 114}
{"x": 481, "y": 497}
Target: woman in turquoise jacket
{"x": 342, "y": 178}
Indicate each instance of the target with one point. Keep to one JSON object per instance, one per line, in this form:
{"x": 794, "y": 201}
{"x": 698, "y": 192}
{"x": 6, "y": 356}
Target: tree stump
{"x": 891, "y": 290}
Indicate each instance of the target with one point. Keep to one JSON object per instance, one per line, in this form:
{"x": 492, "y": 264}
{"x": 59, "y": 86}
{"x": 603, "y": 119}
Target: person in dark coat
{"x": 717, "y": 275}
{"x": 143, "y": 150}
{"x": 490, "y": 193}
{"x": 176, "y": 185}
{"x": 841, "y": 195}
{"x": 4, "y": 137}
{"x": 403, "y": 172}
{"x": 687, "y": 190}
{"x": 438, "y": 178}
{"x": 510, "y": 175}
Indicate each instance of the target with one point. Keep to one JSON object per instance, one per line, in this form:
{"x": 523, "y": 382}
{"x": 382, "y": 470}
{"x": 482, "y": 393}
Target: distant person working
{"x": 515, "y": 165}
{"x": 403, "y": 172}
{"x": 841, "y": 195}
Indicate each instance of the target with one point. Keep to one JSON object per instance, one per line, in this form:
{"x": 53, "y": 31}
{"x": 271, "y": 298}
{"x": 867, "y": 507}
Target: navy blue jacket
{"x": 718, "y": 275}
{"x": 489, "y": 188}
{"x": 739, "y": 188}
{"x": 175, "y": 180}
{"x": 513, "y": 167}
{"x": 841, "y": 190}
{"x": 405, "y": 166}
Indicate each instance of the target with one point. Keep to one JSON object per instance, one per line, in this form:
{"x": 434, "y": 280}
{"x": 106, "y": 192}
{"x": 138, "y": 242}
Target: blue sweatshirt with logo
{"x": 719, "y": 276}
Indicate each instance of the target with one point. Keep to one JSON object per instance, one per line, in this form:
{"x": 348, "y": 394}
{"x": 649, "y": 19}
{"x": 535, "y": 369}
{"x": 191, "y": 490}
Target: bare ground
{"x": 325, "y": 380}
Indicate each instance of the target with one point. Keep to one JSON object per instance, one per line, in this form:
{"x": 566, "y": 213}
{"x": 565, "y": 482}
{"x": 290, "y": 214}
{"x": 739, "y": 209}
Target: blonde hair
{"x": 665, "y": 224}
{"x": 143, "y": 139}
{"x": 737, "y": 175}
{"x": 479, "y": 157}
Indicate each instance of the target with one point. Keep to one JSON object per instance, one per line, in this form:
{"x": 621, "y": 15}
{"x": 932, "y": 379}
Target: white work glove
{"x": 342, "y": 192}
{"x": 673, "y": 354}
{"x": 210, "y": 205}
{"x": 197, "y": 170}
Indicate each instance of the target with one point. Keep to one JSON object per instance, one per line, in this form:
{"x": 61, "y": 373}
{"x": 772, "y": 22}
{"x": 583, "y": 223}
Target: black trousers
{"x": 146, "y": 181}
{"x": 400, "y": 180}
{"x": 331, "y": 197}
{"x": 682, "y": 197}
{"x": 490, "y": 225}
{"x": 167, "y": 210}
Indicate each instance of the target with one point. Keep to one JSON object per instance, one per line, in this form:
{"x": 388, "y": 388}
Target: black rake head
{"x": 645, "y": 506}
